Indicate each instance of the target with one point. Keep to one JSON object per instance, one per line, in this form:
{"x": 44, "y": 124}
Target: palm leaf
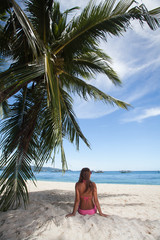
{"x": 70, "y": 125}
{"x": 13, "y": 181}
{"x": 4, "y": 109}
{"x": 16, "y": 77}
{"x": 16, "y": 136}
{"x": 84, "y": 90}
{"x": 40, "y": 15}
{"x": 90, "y": 62}
{"x": 28, "y": 29}
{"x": 96, "y": 21}
{"x": 143, "y": 15}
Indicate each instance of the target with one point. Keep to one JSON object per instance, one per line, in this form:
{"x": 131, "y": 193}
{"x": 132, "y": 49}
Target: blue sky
{"x": 120, "y": 139}
{"x": 123, "y": 139}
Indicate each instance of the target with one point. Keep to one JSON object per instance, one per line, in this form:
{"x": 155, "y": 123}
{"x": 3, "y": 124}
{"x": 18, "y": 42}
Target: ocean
{"x": 110, "y": 177}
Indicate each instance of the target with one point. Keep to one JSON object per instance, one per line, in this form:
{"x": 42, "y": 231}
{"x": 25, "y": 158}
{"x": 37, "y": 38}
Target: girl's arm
{"x": 76, "y": 202}
{"x": 97, "y": 202}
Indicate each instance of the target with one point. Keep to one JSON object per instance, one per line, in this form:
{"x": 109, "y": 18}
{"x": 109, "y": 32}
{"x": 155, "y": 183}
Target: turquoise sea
{"x": 111, "y": 177}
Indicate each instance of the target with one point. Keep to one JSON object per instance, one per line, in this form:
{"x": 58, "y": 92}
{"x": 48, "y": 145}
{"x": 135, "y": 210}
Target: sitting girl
{"x": 86, "y": 200}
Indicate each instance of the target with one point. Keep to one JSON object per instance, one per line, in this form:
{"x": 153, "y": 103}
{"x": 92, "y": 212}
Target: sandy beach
{"x": 134, "y": 213}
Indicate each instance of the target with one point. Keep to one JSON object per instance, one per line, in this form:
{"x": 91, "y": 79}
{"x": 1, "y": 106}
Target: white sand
{"x": 134, "y": 214}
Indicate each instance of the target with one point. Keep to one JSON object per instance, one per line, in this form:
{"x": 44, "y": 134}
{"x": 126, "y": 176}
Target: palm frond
{"x": 71, "y": 10}
{"x": 4, "y": 109}
{"x": 63, "y": 158}
{"x": 16, "y": 77}
{"x": 40, "y": 15}
{"x": 90, "y": 62}
{"x": 16, "y": 130}
{"x": 13, "y": 180}
{"x": 51, "y": 81}
{"x": 30, "y": 33}
{"x": 5, "y": 6}
{"x": 97, "y": 22}
{"x": 14, "y": 42}
{"x": 152, "y": 18}
{"x": 76, "y": 85}
{"x": 70, "y": 125}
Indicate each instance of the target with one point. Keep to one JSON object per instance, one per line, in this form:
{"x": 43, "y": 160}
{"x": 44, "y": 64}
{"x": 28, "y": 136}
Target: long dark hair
{"x": 85, "y": 176}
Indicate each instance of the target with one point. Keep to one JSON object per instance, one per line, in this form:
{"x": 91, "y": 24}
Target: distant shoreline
{"x": 132, "y": 184}
{"x": 106, "y": 177}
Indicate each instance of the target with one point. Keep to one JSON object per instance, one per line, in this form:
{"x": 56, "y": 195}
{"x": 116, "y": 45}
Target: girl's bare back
{"x": 86, "y": 197}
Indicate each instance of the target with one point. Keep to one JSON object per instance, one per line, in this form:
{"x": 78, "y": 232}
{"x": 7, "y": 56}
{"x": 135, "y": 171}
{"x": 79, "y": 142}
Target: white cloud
{"x": 146, "y": 113}
{"x": 91, "y": 109}
{"x": 150, "y": 4}
{"x": 73, "y": 3}
{"x": 135, "y": 51}
{"x": 137, "y": 94}
{"x": 129, "y": 68}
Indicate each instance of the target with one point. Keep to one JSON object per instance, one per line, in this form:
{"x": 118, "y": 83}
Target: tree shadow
{"x": 123, "y": 205}
{"x": 101, "y": 195}
{"x": 45, "y": 208}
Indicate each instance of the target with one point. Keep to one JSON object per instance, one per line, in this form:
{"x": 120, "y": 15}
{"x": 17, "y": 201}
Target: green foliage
{"x": 51, "y": 60}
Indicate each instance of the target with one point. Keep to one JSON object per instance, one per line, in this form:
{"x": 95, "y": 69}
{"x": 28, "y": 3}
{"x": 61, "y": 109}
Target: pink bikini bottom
{"x": 89, "y": 212}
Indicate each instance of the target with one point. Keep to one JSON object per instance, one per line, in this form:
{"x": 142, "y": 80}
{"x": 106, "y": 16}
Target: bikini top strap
{"x": 86, "y": 198}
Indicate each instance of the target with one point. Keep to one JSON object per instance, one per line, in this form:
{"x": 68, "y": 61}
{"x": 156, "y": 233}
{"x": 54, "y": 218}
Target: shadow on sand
{"x": 45, "y": 207}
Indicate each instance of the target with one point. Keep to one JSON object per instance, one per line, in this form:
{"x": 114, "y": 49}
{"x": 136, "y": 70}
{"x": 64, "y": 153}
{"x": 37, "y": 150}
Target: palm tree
{"x": 52, "y": 59}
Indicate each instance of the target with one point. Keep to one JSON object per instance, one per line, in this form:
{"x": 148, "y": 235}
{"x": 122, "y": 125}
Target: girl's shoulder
{"x": 94, "y": 187}
{"x": 77, "y": 184}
